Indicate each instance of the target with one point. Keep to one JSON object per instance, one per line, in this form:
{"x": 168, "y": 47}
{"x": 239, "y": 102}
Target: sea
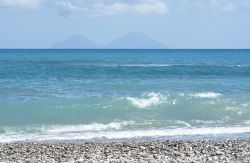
{"x": 123, "y": 95}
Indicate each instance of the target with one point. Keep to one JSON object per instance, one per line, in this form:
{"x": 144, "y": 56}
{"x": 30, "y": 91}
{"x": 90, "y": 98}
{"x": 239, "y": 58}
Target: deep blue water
{"x": 93, "y": 94}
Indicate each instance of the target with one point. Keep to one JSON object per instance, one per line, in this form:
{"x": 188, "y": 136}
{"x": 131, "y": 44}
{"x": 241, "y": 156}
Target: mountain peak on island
{"x": 76, "y": 41}
{"x": 135, "y": 40}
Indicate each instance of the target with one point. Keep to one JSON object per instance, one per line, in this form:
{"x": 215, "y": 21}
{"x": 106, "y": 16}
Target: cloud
{"x": 215, "y": 5}
{"x": 223, "y": 5}
{"x": 228, "y": 7}
{"x": 24, "y": 4}
{"x": 99, "y": 8}
{"x": 209, "y": 6}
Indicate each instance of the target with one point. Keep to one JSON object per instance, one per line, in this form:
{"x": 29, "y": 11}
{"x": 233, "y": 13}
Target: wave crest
{"x": 89, "y": 127}
{"x": 206, "y": 95}
{"x": 93, "y": 127}
{"x": 150, "y": 100}
{"x": 127, "y": 134}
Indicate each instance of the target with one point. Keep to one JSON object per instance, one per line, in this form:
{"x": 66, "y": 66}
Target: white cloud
{"x": 99, "y": 8}
{"x": 95, "y": 8}
{"x": 213, "y": 6}
{"x": 228, "y": 7}
{"x": 27, "y": 4}
{"x": 223, "y": 5}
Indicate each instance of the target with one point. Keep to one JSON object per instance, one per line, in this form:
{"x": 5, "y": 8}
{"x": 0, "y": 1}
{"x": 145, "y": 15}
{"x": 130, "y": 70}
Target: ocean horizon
{"x": 124, "y": 94}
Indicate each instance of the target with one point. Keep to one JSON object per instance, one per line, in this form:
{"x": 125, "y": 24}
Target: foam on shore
{"x": 114, "y": 135}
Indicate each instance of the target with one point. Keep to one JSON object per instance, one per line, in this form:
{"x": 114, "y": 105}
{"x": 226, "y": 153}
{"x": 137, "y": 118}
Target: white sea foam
{"x": 182, "y": 123}
{"x": 243, "y": 65}
{"x": 246, "y": 122}
{"x": 245, "y": 104}
{"x": 207, "y": 122}
{"x": 150, "y": 100}
{"x": 89, "y": 127}
{"x": 113, "y": 135}
{"x": 93, "y": 127}
{"x": 206, "y": 95}
{"x": 145, "y": 65}
{"x": 174, "y": 102}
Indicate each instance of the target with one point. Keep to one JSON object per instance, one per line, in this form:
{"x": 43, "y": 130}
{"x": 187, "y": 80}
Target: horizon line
{"x": 124, "y": 49}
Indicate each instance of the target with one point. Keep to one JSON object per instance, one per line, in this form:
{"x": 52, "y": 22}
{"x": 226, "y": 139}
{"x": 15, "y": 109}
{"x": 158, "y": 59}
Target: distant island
{"x": 132, "y": 40}
{"x": 76, "y": 42}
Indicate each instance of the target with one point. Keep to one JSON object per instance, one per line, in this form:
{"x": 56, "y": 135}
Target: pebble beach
{"x": 151, "y": 151}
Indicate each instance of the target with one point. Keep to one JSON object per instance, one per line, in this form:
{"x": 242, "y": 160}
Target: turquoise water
{"x": 122, "y": 94}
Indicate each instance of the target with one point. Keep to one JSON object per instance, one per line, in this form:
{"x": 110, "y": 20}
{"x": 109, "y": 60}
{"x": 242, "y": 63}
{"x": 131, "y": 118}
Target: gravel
{"x": 154, "y": 151}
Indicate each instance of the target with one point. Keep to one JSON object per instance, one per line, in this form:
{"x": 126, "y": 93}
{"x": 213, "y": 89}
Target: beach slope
{"x": 157, "y": 151}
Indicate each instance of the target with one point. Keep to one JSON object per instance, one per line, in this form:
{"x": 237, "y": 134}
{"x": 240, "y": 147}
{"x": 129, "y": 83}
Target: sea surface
{"x": 94, "y": 95}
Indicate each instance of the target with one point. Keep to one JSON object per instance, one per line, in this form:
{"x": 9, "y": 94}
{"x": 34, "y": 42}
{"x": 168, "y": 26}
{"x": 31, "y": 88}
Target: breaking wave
{"x": 206, "y": 95}
{"x": 150, "y": 99}
{"x": 123, "y": 135}
{"x": 93, "y": 127}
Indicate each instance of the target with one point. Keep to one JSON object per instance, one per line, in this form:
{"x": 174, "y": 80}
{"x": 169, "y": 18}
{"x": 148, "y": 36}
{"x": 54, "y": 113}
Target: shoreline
{"x": 129, "y": 151}
{"x": 176, "y": 134}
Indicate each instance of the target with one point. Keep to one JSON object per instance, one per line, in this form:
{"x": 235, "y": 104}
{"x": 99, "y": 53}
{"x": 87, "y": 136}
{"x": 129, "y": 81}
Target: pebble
{"x": 159, "y": 151}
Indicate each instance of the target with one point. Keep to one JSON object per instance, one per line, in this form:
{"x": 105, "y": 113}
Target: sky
{"x": 181, "y": 24}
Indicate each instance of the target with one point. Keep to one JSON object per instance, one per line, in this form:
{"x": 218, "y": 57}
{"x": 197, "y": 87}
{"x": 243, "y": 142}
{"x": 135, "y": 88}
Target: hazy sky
{"x": 175, "y": 23}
